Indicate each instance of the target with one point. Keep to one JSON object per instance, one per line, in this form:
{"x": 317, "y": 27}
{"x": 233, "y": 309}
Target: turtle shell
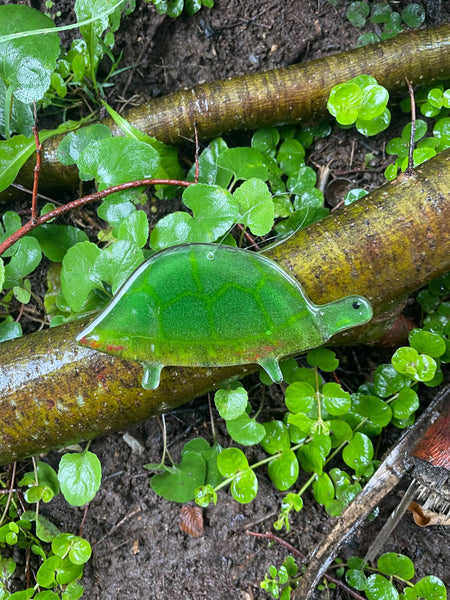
{"x": 212, "y": 305}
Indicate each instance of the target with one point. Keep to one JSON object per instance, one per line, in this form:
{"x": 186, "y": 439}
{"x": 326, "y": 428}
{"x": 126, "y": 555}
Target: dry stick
{"x": 270, "y": 536}
{"x": 388, "y": 474}
{"x": 33, "y": 223}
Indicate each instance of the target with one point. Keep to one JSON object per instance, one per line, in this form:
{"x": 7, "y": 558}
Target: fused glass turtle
{"x": 208, "y": 305}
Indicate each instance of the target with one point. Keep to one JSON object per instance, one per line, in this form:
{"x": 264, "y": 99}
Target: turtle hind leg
{"x": 272, "y": 368}
{"x": 152, "y": 373}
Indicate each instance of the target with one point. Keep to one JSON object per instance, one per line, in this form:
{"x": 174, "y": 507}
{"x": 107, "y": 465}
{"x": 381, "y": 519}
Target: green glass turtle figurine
{"x": 207, "y": 305}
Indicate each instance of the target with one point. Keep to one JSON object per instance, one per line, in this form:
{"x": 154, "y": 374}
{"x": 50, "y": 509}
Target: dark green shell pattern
{"x": 209, "y": 305}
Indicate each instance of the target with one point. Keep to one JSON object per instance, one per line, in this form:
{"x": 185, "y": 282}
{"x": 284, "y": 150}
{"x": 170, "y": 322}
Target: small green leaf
{"x": 344, "y": 102}
{"x": 291, "y": 157}
{"x": 358, "y": 452}
{"x": 230, "y": 461}
{"x": 356, "y": 579}
{"x": 388, "y": 381}
{"x": 311, "y": 458}
{"x": 397, "y": 565}
{"x": 205, "y": 495}
{"x": 323, "y": 358}
{"x": 26, "y": 257}
{"x": 323, "y": 489}
{"x": 116, "y": 263}
{"x": 55, "y": 240}
{"x": 244, "y": 486}
{"x": 255, "y": 206}
{"x": 266, "y": 140}
{"x": 373, "y": 102}
{"x": 378, "y": 587}
{"x": 357, "y": 12}
{"x": 231, "y": 402}
{"x": 336, "y": 400}
{"x": 134, "y": 228}
{"x": 9, "y": 329}
{"x": 430, "y": 588}
{"x": 79, "y": 476}
{"x": 244, "y": 163}
{"x": 178, "y": 483}
{"x": 283, "y": 471}
{"x": 413, "y": 15}
{"x": 27, "y": 62}
{"x": 245, "y": 431}
{"x": 427, "y": 342}
{"x": 78, "y": 549}
{"x": 78, "y": 276}
{"x": 276, "y": 437}
{"x": 210, "y": 454}
{"x": 340, "y": 431}
{"x": 73, "y": 144}
{"x": 408, "y": 361}
{"x": 300, "y": 397}
{"x": 406, "y": 403}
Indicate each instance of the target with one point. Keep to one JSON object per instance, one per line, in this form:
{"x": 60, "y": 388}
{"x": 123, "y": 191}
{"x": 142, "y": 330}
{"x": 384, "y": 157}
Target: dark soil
{"x": 139, "y": 550}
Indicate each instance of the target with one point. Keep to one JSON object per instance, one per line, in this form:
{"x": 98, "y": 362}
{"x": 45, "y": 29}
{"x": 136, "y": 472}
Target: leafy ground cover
{"x": 137, "y": 544}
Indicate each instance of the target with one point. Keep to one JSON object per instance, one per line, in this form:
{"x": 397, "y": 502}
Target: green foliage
{"x": 384, "y": 17}
{"x": 280, "y": 582}
{"x": 174, "y": 8}
{"x": 360, "y": 101}
{"x": 79, "y": 476}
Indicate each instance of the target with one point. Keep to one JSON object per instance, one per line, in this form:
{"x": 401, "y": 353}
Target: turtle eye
{"x": 356, "y": 305}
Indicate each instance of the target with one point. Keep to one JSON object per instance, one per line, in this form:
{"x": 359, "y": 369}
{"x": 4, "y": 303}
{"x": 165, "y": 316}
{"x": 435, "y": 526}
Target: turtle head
{"x": 346, "y": 313}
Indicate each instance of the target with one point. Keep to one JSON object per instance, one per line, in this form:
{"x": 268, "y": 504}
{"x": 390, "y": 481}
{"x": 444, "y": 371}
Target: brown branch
{"x": 294, "y": 94}
{"x": 384, "y": 247}
{"x": 57, "y": 212}
{"x": 412, "y": 136}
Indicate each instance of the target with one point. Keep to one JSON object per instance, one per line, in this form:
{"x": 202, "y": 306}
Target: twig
{"x": 412, "y": 137}
{"x": 270, "y": 536}
{"x": 32, "y": 224}
{"x": 37, "y": 168}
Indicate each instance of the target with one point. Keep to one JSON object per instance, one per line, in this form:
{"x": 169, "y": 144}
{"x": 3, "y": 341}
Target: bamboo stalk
{"x": 387, "y": 245}
{"x": 293, "y": 94}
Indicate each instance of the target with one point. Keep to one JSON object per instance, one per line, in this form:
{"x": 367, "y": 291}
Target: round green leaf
{"x": 232, "y": 402}
{"x": 245, "y": 431}
{"x": 357, "y": 13}
{"x": 373, "y": 102}
{"x": 73, "y": 144}
{"x": 283, "y": 471}
{"x": 408, "y": 361}
{"x": 323, "y": 358}
{"x": 413, "y": 15}
{"x": 336, "y": 400}
{"x": 374, "y": 126}
{"x": 311, "y": 458}
{"x": 55, "y": 240}
{"x": 291, "y": 156}
{"x": 78, "y": 276}
{"x": 178, "y": 483}
{"x": 406, "y": 403}
{"x": 356, "y": 579}
{"x": 244, "y": 163}
{"x": 300, "y": 397}
{"x": 79, "y": 476}
{"x": 323, "y": 489}
{"x": 244, "y": 487}
{"x": 358, "y": 452}
{"x": 276, "y": 438}
{"x": 344, "y": 102}
{"x": 205, "y": 495}
{"x": 378, "y": 587}
{"x": 427, "y": 342}
{"x": 388, "y": 381}
{"x": 430, "y": 588}
{"x": 255, "y": 205}
{"x": 266, "y": 140}
{"x": 340, "y": 431}
{"x": 397, "y": 565}
{"x": 25, "y": 258}
{"x": 135, "y": 228}
{"x": 230, "y": 461}
{"x": 27, "y": 63}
